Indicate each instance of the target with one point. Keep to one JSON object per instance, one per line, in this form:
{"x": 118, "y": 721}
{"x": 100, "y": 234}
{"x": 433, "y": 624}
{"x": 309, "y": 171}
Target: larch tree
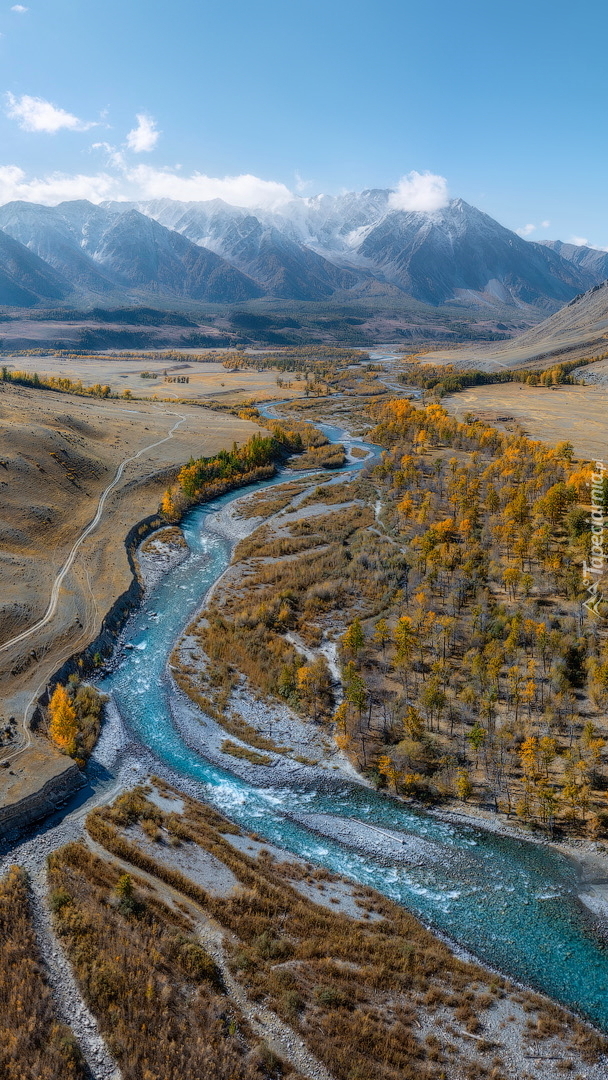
{"x": 63, "y": 727}
{"x": 353, "y": 638}
{"x": 168, "y": 507}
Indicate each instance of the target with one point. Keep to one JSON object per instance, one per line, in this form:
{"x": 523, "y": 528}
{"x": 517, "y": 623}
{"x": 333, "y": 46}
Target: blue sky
{"x": 506, "y": 102}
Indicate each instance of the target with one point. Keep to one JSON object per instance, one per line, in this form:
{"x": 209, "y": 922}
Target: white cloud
{"x": 525, "y": 230}
{"x": 36, "y": 114}
{"x": 582, "y": 241}
{"x": 302, "y": 185}
{"x": 140, "y": 182}
{"x": 56, "y": 187}
{"x": 114, "y": 157}
{"x": 20, "y": 9}
{"x": 144, "y": 137}
{"x": 420, "y": 191}
{"x": 244, "y": 190}
{"x": 120, "y": 180}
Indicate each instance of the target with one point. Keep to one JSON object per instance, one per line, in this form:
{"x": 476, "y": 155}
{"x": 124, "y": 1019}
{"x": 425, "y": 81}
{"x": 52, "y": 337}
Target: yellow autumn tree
{"x": 168, "y": 508}
{"x": 529, "y": 754}
{"x": 353, "y": 638}
{"x": 386, "y": 767}
{"x": 464, "y": 787}
{"x": 341, "y": 716}
{"x": 342, "y": 741}
{"x": 63, "y": 727}
{"x": 406, "y": 505}
{"x": 312, "y": 682}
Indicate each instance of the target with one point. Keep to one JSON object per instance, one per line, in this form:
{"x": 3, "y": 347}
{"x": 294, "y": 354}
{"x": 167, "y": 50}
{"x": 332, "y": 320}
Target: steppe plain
{"x": 207, "y": 379}
{"x": 576, "y": 413}
{"x": 59, "y": 454}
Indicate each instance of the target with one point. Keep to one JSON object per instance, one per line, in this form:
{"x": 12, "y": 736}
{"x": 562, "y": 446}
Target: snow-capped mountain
{"x": 61, "y": 239}
{"x": 454, "y": 253}
{"x": 462, "y": 252}
{"x": 328, "y": 247}
{"x": 98, "y": 252}
{"x": 268, "y": 247}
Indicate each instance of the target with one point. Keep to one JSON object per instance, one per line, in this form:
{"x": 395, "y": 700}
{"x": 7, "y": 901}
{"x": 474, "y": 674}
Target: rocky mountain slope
{"x": 340, "y": 248}
{"x": 457, "y": 253}
{"x": 25, "y": 278}
{"x": 594, "y": 260}
{"x": 99, "y": 253}
{"x": 579, "y": 330}
{"x": 461, "y": 252}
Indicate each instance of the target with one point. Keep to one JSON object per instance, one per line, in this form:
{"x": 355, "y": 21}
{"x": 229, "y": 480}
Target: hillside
{"x": 58, "y": 453}
{"x": 577, "y": 331}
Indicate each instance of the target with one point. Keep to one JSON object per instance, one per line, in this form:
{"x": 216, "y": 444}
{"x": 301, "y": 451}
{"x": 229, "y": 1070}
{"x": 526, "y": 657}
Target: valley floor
{"x": 349, "y": 978}
{"x": 576, "y": 413}
{"x": 289, "y": 970}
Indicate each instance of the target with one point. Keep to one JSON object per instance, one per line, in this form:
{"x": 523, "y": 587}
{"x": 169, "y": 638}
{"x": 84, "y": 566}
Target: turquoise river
{"x": 510, "y": 902}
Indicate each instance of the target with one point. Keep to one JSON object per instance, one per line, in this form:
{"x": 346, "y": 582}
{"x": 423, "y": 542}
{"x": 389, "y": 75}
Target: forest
{"x": 451, "y": 577}
{"x": 444, "y": 379}
{"x": 496, "y": 681}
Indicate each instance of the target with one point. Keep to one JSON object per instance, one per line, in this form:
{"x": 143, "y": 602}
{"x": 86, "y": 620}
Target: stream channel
{"x": 510, "y": 902}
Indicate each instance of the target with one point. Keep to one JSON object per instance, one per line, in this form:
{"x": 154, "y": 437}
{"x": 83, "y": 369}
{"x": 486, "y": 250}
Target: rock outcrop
{"x": 34, "y": 785}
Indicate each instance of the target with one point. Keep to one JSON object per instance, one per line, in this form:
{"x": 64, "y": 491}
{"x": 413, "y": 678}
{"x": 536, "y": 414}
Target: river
{"x": 511, "y": 903}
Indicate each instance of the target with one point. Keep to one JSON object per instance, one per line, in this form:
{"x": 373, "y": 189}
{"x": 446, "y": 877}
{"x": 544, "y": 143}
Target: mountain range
{"x": 593, "y": 259}
{"x": 328, "y": 248}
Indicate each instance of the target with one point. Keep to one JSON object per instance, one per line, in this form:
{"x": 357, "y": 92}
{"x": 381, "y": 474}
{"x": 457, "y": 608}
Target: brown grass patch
{"x": 33, "y": 1044}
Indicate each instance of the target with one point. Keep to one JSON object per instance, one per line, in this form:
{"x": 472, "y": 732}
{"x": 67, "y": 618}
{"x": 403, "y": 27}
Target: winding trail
{"x": 67, "y": 566}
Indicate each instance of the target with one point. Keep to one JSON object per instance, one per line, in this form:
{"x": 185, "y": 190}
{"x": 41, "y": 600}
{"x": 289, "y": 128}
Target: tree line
{"x": 444, "y": 379}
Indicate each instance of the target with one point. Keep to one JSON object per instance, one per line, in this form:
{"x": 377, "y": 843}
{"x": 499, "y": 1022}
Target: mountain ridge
{"x": 592, "y": 259}
{"x": 325, "y": 249}
{"x": 100, "y": 253}
{"x": 457, "y": 253}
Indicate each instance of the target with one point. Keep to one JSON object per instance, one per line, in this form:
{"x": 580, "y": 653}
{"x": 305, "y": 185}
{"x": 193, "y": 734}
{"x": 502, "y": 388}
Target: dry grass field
{"x": 356, "y": 992}
{"x": 576, "y": 413}
{"x": 58, "y": 453}
{"x": 208, "y": 380}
